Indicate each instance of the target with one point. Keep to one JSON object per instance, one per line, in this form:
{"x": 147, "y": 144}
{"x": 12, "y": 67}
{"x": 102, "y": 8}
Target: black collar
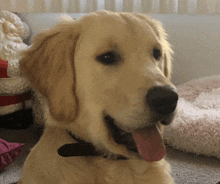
{"x": 81, "y": 148}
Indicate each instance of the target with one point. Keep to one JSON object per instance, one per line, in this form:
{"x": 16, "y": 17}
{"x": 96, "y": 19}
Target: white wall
{"x": 196, "y": 45}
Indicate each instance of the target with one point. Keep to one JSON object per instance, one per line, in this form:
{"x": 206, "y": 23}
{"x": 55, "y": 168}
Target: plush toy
{"x": 15, "y": 91}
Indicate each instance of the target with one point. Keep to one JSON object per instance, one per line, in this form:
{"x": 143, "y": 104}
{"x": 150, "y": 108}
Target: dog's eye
{"x": 157, "y": 53}
{"x": 108, "y": 58}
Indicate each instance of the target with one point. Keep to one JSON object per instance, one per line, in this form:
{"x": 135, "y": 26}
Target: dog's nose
{"x": 162, "y": 99}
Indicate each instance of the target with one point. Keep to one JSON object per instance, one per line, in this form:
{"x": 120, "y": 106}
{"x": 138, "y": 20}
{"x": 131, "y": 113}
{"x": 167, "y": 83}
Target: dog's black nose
{"x": 162, "y": 99}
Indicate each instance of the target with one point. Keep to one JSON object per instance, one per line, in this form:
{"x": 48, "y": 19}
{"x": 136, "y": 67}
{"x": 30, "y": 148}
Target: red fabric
{"x": 8, "y": 152}
{"x": 10, "y": 100}
{"x": 3, "y": 69}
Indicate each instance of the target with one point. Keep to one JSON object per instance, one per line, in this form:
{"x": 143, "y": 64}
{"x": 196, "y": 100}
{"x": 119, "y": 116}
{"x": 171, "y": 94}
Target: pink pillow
{"x": 8, "y": 152}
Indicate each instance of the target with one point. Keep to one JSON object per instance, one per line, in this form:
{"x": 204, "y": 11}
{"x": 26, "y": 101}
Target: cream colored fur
{"x": 80, "y": 90}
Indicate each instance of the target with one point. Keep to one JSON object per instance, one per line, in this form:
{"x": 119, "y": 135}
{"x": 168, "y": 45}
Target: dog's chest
{"x": 118, "y": 172}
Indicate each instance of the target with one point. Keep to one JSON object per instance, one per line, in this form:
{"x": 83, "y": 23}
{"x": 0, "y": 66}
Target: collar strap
{"x": 82, "y": 148}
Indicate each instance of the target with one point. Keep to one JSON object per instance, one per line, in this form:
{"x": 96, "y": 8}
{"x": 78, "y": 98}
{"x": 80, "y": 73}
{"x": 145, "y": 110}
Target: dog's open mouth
{"x": 120, "y": 136}
{"x": 147, "y": 142}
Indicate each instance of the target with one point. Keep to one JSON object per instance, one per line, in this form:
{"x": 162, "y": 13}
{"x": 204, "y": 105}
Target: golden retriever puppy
{"x": 106, "y": 81}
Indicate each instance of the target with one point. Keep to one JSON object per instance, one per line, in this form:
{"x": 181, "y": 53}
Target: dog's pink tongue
{"x": 150, "y": 145}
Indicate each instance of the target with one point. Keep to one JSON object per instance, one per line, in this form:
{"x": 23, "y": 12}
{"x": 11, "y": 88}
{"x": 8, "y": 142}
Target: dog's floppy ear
{"x": 49, "y": 66}
{"x": 167, "y": 51}
{"x": 160, "y": 32}
{"x": 168, "y": 62}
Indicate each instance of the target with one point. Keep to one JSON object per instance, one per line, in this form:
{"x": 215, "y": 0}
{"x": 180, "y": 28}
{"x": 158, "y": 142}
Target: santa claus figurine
{"x": 15, "y": 94}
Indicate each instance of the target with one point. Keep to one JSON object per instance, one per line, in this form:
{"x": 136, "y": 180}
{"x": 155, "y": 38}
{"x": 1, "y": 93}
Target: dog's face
{"x": 106, "y": 77}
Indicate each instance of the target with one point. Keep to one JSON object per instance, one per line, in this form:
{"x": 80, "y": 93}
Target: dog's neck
{"x": 81, "y": 148}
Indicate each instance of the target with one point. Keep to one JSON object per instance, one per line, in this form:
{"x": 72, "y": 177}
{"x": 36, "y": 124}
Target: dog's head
{"x": 106, "y": 77}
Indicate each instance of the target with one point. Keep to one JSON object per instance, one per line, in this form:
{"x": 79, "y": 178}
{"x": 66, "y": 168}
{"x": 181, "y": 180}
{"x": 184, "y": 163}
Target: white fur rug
{"x": 197, "y": 126}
